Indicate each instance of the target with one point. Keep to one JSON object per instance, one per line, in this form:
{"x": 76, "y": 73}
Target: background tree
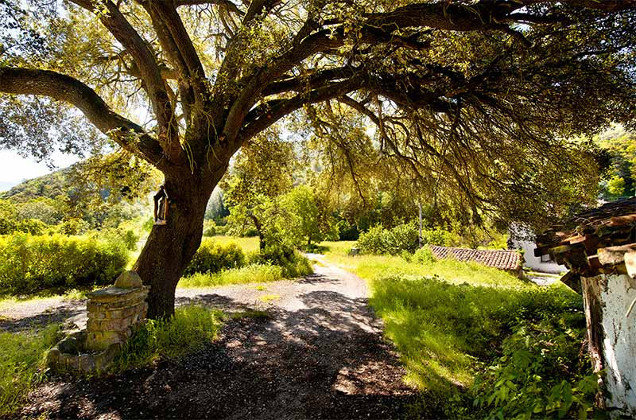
{"x": 619, "y": 179}
{"x": 308, "y": 217}
{"x": 262, "y": 171}
{"x": 472, "y": 93}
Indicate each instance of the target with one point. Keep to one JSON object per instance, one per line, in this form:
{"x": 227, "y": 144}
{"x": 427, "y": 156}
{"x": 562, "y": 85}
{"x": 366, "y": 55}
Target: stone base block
{"x": 71, "y": 355}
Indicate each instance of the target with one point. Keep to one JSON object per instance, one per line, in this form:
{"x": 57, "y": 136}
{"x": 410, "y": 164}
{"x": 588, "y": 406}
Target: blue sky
{"x": 15, "y": 168}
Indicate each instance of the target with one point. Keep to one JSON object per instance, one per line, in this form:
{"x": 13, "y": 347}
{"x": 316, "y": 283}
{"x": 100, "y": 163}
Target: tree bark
{"x": 259, "y": 229}
{"x": 170, "y": 247}
{"x": 591, "y": 290}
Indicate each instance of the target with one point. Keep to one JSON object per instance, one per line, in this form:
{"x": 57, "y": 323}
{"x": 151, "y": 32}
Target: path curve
{"x": 321, "y": 354}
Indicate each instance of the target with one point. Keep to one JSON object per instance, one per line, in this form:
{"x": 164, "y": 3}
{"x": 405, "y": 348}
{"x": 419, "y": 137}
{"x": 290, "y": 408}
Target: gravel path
{"x": 319, "y": 355}
{"x": 285, "y": 294}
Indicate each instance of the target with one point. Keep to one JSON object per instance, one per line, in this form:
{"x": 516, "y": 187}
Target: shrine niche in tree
{"x": 161, "y": 206}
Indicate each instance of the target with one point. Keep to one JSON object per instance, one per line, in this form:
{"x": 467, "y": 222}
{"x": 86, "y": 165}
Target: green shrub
{"x": 209, "y": 228}
{"x": 404, "y": 237}
{"x": 22, "y": 363}
{"x": 438, "y": 237}
{"x": 389, "y": 241}
{"x": 189, "y": 330}
{"x": 372, "y": 241}
{"x": 212, "y": 257}
{"x": 424, "y": 255}
{"x": 30, "y": 264}
{"x": 221, "y": 229}
{"x": 125, "y": 237}
{"x": 32, "y": 226}
{"x": 347, "y": 231}
{"x": 73, "y": 226}
{"x": 291, "y": 261}
{"x": 540, "y": 374}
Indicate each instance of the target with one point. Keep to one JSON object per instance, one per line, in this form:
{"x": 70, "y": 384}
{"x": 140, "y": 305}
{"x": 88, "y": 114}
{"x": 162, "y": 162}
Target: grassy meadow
{"x": 22, "y": 363}
{"x": 475, "y": 339}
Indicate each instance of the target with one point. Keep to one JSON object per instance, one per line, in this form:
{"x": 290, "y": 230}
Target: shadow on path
{"x": 328, "y": 360}
{"x": 57, "y": 314}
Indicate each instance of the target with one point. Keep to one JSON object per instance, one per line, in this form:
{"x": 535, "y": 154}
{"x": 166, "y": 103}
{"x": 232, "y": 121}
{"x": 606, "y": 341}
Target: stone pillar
{"x": 112, "y": 312}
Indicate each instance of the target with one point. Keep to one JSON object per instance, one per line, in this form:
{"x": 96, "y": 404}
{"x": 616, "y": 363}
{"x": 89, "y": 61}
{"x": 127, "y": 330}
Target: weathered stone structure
{"x": 113, "y": 313}
{"x": 599, "y": 248}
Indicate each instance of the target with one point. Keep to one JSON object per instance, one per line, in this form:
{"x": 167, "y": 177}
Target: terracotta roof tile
{"x": 501, "y": 259}
{"x": 613, "y": 223}
{"x": 592, "y": 239}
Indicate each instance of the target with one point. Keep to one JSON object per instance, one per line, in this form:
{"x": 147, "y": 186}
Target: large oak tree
{"x": 478, "y": 92}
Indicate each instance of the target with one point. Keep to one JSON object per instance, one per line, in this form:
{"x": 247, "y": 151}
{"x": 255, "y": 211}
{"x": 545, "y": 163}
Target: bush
{"x": 32, "y": 226}
{"x": 73, "y": 227}
{"x": 189, "y": 330}
{"x": 372, "y": 241}
{"x": 30, "y": 264}
{"x": 212, "y": 257}
{"x": 437, "y": 237}
{"x": 209, "y": 228}
{"x": 126, "y": 237}
{"x": 404, "y": 237}
{"x": 389, "y": 241}
{"x": 540, "y": 373}
{"x": 424, "y": 255}
{"x": 347, "y": 231}
{"x": 292, "y": 262}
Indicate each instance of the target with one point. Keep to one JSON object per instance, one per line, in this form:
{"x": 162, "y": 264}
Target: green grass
{"x": 450, "y": 320}
{"x": 253, "y": 273}
{"x": 373, "y": 267}
{"x": 189, "y": 330}
{"x": 22, "y": 362}
{"x": 443, "y": 330}
{"x": 269, "y": 298}
{"x": 248, "y": 245}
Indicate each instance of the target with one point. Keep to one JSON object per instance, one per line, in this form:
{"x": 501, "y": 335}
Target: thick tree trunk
{"x": 170, "y": 247}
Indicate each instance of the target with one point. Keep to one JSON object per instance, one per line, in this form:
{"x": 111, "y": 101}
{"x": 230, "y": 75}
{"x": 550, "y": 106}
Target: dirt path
{"x": 320, "y": 355}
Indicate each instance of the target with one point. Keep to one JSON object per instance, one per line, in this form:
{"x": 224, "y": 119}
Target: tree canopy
{"x": 476, "y": 98}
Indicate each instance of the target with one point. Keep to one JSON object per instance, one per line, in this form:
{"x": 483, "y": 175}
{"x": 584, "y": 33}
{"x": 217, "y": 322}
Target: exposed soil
{"x": 320, "y": 355}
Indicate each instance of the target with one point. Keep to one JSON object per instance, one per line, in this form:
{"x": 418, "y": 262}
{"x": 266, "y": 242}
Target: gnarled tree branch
{"x": 117, "y": 24}
{"x": 127, "y": 134}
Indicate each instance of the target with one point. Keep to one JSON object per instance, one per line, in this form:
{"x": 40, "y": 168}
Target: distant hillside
{"x": 51, "y": 186}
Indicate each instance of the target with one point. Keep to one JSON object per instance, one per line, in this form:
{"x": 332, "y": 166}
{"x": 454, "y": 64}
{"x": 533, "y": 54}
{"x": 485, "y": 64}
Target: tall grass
{"x": 30, "y": 264}
{"x": 22, "y": 361}
{"x": 442, "y": 329}
{"x": 189, "y": 330}
{"x": 248, "y": 245}
{"x": 373, "y": 267}
{"x": 475, "y": 339}
{"x": 253, "y": 273}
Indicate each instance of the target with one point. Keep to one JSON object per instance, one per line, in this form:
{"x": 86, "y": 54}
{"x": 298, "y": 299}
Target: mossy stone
{"x": 128, "y": 280}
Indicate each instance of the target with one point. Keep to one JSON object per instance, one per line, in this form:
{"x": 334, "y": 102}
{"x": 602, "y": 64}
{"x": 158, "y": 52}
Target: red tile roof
{"x": 595, "y": 241}
{"x": 503, "y": 260}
